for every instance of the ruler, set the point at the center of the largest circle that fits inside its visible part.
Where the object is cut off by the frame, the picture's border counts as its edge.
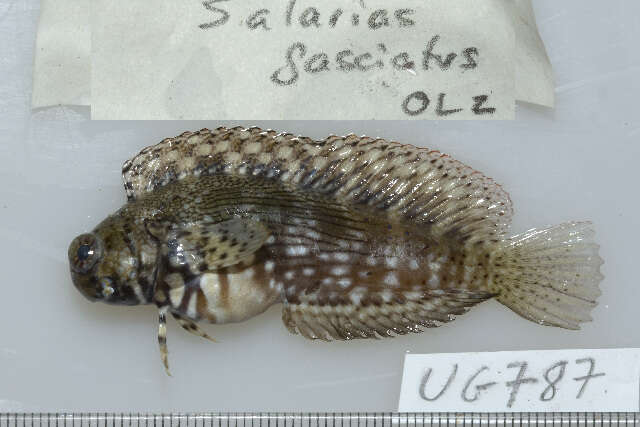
(364, 419)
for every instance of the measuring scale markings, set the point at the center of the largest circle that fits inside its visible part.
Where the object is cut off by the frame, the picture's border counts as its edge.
(576, 419)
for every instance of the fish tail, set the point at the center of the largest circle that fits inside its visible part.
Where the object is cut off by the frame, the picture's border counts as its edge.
(549, 276)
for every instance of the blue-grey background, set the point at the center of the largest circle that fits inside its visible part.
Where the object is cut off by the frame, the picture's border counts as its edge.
(60, 175)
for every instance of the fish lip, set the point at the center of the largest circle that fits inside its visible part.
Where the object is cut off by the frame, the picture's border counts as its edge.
(89, 298)
(78, 280)
(125, 303)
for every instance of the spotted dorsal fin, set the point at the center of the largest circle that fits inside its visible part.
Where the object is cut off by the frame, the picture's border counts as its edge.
(442, 196)
(207, 246)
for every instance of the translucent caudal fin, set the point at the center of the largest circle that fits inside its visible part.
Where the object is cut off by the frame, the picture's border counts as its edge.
(549, 276)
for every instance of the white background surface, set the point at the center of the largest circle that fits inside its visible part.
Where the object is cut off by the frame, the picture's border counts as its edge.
(60, 175)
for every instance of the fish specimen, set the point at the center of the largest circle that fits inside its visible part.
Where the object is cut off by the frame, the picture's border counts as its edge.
(356, 237)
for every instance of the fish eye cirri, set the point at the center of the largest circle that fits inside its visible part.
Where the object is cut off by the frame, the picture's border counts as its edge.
(356, 237)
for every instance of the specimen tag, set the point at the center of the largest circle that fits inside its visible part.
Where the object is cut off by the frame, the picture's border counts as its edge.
(62, 63)
(303, 59)
(522, 381)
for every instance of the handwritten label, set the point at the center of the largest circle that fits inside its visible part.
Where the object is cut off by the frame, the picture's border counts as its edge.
(303, 59)
(522, 381)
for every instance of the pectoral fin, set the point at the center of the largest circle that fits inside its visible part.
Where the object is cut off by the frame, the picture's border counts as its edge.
(207, 246)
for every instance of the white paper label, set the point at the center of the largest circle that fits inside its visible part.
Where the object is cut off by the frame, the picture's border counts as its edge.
(62, 56)
(522, 381)
(303, 59)
(534, 76)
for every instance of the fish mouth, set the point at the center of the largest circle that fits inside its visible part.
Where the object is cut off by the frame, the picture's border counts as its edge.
(89, 286)
(85, 285)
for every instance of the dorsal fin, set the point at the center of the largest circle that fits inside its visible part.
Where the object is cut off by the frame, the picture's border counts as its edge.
(411, 184)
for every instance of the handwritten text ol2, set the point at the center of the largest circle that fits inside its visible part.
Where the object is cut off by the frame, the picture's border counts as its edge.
(374, 54)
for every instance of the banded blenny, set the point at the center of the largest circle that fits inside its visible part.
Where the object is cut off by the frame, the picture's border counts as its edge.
(356, 237)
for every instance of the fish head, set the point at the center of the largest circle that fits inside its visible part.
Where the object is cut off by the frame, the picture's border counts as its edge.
(105, 266)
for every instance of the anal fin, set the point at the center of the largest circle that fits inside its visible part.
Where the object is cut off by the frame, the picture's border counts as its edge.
(346, 322)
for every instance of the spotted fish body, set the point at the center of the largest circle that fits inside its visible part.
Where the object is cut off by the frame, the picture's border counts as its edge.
(356, 237)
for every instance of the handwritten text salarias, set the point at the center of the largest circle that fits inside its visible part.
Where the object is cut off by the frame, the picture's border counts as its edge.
(273, 59)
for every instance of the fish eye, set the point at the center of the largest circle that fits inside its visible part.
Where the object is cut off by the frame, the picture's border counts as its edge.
(84, 252)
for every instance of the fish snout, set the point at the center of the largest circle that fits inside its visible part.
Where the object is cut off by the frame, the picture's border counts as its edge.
(87, 286)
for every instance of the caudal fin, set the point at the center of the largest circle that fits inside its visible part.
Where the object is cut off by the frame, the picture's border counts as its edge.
(550, 276)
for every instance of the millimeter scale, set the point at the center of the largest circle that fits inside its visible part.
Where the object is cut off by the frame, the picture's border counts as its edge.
(355, 419)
